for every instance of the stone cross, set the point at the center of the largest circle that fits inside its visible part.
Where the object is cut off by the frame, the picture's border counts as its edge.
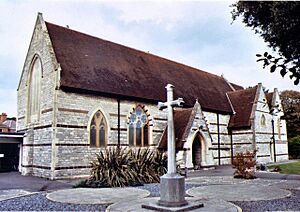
(171, 133)
(172, 186)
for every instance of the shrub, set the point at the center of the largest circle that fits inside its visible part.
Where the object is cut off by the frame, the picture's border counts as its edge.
(294, 147)
(244, 163)
(117, 167)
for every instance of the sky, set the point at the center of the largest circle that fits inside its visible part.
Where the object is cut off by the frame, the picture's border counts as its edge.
(196, 33)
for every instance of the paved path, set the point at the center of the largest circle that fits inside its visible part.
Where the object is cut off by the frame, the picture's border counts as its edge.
(239, 192)
(209, 205)
(97, 195)
(13, 193)
(207, 186)
(14, 180)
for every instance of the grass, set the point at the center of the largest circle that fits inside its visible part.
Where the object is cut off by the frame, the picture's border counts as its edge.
(289, 168)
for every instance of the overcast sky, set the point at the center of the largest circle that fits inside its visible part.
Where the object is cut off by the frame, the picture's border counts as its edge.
(196, 33)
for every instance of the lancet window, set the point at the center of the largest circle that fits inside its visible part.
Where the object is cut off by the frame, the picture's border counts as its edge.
(98, 130)
(34, 90)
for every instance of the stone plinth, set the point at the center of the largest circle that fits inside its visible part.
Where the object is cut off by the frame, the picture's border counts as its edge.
(172, 191)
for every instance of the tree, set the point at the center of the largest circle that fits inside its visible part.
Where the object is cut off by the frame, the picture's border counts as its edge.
(290, 101)
(278, 22)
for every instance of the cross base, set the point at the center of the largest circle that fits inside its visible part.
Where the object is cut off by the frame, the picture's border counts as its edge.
(172, 191)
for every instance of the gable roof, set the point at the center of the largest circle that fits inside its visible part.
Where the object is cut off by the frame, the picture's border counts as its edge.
(11, 124)
(183, 120)
(242, 102)
(96, 65)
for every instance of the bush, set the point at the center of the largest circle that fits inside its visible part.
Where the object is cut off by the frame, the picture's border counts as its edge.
(126, 167)
(244, 163)
(294, 147)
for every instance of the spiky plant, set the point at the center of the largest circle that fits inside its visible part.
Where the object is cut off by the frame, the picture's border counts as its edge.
(115, 167)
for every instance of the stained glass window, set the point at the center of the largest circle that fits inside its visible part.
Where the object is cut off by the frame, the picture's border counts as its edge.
(98, 130)
(138, 128)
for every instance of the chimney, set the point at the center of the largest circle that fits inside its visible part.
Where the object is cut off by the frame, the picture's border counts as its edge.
(3, 117)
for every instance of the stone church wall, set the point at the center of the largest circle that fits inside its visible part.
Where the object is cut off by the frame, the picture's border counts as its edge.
(74, 112)
(57, 144)
(218, 129)
(37, 144)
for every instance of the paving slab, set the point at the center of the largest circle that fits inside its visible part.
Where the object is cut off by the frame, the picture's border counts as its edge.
(230, 180)
(97, 195)
(239, 192)
(13, 193)
(209, 205)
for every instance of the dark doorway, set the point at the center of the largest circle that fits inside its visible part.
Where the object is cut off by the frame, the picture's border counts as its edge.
(9, 159)
(197, 152)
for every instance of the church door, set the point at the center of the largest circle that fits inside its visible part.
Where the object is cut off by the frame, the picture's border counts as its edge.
(197, 152)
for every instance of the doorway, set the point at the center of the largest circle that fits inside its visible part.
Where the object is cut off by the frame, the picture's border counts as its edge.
(9, 160)
(197, 152)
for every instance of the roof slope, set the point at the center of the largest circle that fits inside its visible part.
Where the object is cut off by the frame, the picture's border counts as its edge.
(242, 102)
(183, 119)
(92, 64)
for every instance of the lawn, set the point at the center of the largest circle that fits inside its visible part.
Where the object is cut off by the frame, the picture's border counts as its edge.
(289, 168)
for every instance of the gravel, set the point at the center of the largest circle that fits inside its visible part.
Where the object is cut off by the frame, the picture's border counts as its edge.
(39, 202)
(285, 204)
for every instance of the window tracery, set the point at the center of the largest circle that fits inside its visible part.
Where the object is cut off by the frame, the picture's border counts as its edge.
(138, 128)
(98, 130)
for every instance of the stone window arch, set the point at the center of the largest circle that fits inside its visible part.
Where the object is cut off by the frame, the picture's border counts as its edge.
(263, 120)
(138, 128)
(98, 130)
(34, 90)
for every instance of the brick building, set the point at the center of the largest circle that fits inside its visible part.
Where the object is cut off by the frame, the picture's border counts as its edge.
(7, 124)
(79, 94)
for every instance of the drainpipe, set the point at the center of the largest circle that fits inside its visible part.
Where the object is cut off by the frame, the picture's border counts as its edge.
(231, 145)
(273, 133)
(119, 100)
(254, 137)
(218, 130)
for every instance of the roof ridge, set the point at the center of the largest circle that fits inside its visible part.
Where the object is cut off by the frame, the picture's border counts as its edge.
(138, 50)
(246, 89)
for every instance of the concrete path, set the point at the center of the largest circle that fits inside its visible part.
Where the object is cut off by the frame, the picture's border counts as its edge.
(97, 195)
(209, 205)
(239, 192)
(13, 193)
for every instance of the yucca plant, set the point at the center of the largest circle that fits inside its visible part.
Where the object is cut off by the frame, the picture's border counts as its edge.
(116, 167)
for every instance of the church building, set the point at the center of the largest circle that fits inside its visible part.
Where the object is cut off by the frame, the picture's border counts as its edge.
(79, 94)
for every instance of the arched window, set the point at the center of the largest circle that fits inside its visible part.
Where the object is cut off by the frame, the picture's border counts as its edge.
(138, 128)
(263, 120)
(98, 130)
(34, 90)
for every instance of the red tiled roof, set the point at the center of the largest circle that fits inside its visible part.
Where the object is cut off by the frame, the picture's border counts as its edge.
(182, 123)
(92, 64)
(242, 102)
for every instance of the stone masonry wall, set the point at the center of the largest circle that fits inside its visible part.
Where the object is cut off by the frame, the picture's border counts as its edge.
(73, 153)
(225, 148)
(37, 145)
